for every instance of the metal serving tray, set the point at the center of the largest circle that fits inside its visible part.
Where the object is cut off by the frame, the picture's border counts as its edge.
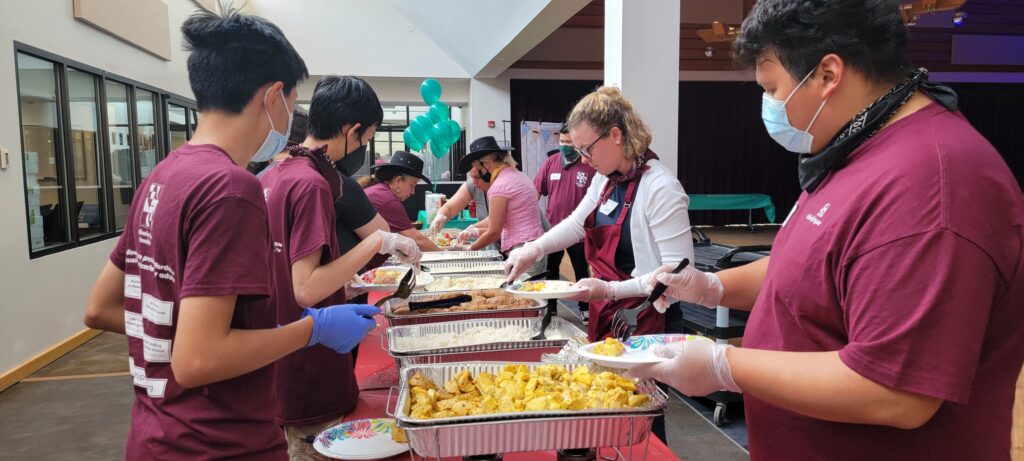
(442, 373)
(537, 308)
(513, 351)
(451, 256)
(524, 431)
(466, 267)
(495, 275)
(532, 434)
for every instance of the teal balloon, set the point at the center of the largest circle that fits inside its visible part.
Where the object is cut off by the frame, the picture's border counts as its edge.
(421, 127)
(411, 142)
(454, 131)
(430, 90)
(438, 147)
(438, 112)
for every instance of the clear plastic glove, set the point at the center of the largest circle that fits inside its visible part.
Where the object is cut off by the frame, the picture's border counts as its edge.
(459, 247)
(595, 290)
(341, 327)
(520, 259)
(696, 368)
(400, 246)
(437, 224)
(351, 291)
(469, 234)
(689, 285)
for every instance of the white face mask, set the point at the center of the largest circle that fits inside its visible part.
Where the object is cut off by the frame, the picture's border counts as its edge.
(275, 141)
(776, 121)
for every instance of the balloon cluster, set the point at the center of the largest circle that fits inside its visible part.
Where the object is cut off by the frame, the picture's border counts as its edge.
(435, 127)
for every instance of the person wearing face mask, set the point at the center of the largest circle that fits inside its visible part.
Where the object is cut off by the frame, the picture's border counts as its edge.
(297, 134)
(390, 184)
(344, 115)
(514, 216)
(189, 280)
(475, 190)
(886, 323)
(315, 387)
(564, 180)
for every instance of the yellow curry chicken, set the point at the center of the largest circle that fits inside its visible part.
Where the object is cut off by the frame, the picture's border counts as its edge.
(517, 389)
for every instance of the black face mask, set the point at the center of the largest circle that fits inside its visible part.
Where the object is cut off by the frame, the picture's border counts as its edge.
(485, 176)
(352, 162)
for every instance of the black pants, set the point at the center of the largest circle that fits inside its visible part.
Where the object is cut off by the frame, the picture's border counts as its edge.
(578, 258)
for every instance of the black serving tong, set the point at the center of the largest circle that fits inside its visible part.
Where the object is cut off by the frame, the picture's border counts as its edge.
(405, 287)
(624, 322)
(439, 303)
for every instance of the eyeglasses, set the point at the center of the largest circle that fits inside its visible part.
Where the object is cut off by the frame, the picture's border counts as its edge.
(585, 151)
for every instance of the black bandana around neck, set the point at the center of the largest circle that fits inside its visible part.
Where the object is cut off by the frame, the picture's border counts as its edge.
(815, 167)
(322, 163)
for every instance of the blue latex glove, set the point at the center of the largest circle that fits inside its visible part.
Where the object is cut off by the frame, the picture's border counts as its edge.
(341, 327)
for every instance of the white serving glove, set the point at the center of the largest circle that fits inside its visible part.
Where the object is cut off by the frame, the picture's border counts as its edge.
(696, 368)
(689, 285)
(468, 234)
(400, 246)
(520, 259)
(437, 224)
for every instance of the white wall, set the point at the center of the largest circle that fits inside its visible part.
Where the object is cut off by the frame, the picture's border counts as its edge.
(491, 100)
(42, 300)
(357, 37)
(402, 91)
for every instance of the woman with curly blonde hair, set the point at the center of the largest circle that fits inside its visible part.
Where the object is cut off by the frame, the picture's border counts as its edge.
(632, 220)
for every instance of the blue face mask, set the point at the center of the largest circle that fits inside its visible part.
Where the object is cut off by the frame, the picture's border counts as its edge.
(276, 141)
(776, 120)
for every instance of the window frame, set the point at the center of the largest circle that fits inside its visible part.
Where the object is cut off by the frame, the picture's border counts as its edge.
(65, 168)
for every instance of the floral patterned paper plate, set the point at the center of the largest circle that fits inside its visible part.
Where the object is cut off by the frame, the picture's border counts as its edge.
(639, 350)
(360, 439)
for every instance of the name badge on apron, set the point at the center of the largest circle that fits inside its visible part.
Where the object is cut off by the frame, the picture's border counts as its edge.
(608, 207)
(556, 176)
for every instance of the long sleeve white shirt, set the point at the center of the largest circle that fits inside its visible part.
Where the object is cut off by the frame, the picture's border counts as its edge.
(659, 225)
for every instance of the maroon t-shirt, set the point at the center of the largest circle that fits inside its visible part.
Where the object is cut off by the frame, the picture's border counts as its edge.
(314, 384)
(564, 187)
(389, 207)
(391, 210)
(908, 261)
(197, 227)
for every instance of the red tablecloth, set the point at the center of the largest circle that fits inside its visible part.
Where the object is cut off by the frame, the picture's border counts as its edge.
(376, 373)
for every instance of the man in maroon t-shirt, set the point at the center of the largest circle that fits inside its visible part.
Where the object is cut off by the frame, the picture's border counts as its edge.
(886, 324)
(316, 387)
(189, 279)
(564, 180)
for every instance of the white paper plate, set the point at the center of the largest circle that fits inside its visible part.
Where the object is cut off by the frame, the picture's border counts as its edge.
(422, 279)
(360, 439)
(639, 350)
(555, 289)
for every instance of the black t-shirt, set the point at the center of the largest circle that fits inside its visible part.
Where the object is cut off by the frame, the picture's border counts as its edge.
(352, 211)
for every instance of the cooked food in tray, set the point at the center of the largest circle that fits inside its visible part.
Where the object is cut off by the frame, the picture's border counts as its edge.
(517, 389)
(464, 283)
(471, 336)
(610, 347)
(481, 300)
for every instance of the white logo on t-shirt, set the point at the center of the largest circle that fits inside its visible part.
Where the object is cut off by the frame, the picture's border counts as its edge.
(816, 220)
(581, 179)
(149, 205)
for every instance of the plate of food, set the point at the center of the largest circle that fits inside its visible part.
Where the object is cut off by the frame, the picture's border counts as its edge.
(635, 351)
(374, 438)
(386, 278)
(544, 289)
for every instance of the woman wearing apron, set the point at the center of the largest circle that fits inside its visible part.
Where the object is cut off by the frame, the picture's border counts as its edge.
(632, 220)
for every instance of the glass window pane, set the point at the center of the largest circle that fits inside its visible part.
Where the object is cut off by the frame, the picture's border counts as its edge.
(41, 151)
(193, 121)
(85, 142)
(119, 129)
(176, 125)
(146, 137)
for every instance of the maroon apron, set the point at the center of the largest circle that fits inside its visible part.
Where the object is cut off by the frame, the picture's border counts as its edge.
(599, 244)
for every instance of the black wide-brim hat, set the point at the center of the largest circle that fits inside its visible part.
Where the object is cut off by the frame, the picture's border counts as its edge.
(479, 148)
(405, 163)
